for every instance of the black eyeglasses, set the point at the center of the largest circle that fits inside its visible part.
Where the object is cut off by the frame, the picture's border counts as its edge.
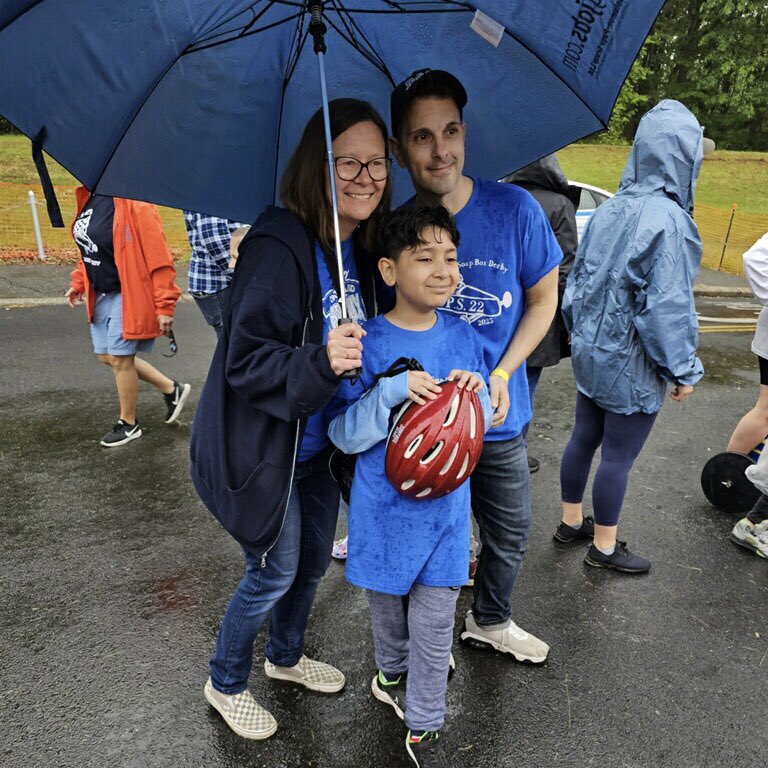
(348, 168)
(173, 347)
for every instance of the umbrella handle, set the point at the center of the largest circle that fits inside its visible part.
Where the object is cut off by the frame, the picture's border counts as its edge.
(354, 374)
(318, 29)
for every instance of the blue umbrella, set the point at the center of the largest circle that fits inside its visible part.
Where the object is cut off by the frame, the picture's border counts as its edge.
(197, 104)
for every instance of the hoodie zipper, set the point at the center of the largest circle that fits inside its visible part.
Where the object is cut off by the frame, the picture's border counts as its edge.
(293, 463)
(298, 430)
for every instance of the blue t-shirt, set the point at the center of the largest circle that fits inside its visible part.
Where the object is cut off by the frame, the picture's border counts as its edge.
(395, 541)
(507, 246)
(315, 436)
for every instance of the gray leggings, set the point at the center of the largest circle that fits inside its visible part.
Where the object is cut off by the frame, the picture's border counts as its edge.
(415, 635)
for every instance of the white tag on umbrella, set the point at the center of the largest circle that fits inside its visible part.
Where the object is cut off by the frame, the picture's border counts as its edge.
(490, 30)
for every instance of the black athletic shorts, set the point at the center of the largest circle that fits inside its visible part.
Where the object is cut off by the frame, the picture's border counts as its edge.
(763, 370)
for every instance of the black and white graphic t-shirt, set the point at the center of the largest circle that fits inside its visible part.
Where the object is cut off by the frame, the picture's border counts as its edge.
(93, 235)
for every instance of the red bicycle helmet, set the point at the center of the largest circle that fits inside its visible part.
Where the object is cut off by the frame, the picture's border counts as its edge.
(433, 448)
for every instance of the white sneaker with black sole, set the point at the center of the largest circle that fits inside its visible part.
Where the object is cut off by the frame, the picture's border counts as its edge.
(175, 401)
(390, 691)
(121, 434)
(521, 645)
(747, 534)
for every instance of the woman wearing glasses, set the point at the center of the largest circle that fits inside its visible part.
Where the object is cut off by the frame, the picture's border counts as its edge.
(126, 275)
(259, 441)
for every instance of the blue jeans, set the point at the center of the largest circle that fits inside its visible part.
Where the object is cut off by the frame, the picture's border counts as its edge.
(533, 375)
(213, 306)
(501, 504)
(285, 587)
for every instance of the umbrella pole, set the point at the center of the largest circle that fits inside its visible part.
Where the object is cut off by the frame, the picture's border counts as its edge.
(318, 29)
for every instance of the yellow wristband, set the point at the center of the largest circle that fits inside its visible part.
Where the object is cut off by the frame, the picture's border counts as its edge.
(500, 372)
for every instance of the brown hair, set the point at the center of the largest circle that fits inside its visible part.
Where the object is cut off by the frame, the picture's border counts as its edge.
(302, 188)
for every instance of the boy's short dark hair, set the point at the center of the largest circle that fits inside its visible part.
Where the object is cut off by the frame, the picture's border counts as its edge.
(424, 83)
(402, 229)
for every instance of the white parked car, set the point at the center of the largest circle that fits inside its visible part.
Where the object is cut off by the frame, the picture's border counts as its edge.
(591, 199)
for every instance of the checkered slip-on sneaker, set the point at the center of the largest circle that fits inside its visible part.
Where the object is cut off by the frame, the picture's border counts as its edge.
(312, 674)
(242, 713)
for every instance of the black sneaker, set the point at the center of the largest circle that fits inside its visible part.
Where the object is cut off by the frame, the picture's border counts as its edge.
(175, 401)
(426, 749)
(533, 465)
(567, 535)
(391, 691)
(121, 434)
(620, 560)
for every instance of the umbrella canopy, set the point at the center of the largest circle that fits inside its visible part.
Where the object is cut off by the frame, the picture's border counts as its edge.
(197, 105)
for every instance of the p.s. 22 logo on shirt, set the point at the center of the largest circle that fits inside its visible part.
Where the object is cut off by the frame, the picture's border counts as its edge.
(475, 305)
(355, 305)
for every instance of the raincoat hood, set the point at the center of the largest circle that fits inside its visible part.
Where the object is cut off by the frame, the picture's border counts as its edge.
(666, 155)
(545, 174)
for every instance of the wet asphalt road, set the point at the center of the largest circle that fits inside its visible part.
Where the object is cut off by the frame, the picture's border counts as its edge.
(113, 579)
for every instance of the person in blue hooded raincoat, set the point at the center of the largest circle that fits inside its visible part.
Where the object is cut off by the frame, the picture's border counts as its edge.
(629, 307)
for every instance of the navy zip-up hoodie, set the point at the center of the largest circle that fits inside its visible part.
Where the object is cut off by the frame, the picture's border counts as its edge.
(270, 371)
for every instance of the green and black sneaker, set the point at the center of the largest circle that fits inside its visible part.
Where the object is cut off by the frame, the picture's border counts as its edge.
(426, 749)
(390, 690)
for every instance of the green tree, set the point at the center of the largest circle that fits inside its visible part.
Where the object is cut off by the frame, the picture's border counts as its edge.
(712, 56)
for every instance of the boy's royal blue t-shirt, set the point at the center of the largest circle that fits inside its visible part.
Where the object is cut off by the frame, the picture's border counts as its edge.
(315, 437)
(395, 541)
(507, 246)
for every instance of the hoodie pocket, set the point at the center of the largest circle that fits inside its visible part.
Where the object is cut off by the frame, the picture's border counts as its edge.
(254, 511)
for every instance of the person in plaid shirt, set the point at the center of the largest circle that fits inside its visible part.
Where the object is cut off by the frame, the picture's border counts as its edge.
(209, 272)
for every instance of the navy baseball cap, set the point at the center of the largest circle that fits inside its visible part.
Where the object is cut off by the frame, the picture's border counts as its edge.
(424, 82)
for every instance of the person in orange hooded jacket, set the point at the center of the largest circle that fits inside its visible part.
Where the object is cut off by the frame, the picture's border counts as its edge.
(127, 277)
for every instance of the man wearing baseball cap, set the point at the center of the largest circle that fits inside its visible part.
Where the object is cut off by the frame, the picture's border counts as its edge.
(508, 259)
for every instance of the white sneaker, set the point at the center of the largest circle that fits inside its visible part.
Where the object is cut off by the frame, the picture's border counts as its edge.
(315, 675)
(339, 551)
(746, 534)
(511, 639)
(762, 544)
(242, 713)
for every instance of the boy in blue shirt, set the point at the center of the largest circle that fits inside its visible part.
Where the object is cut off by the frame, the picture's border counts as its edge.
(401, 547)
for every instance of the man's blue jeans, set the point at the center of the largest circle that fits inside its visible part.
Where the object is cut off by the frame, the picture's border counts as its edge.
(285, 587)
(501, 504)
(213, 306)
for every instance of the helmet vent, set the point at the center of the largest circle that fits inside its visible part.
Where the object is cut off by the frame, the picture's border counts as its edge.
(444, 470)
(413, 447)
(423, 493)
(464, 466)
(433, 452)
(472, 423)
(407, 484)
(454, 409)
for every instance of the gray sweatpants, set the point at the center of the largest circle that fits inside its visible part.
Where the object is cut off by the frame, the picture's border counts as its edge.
(414, 634)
